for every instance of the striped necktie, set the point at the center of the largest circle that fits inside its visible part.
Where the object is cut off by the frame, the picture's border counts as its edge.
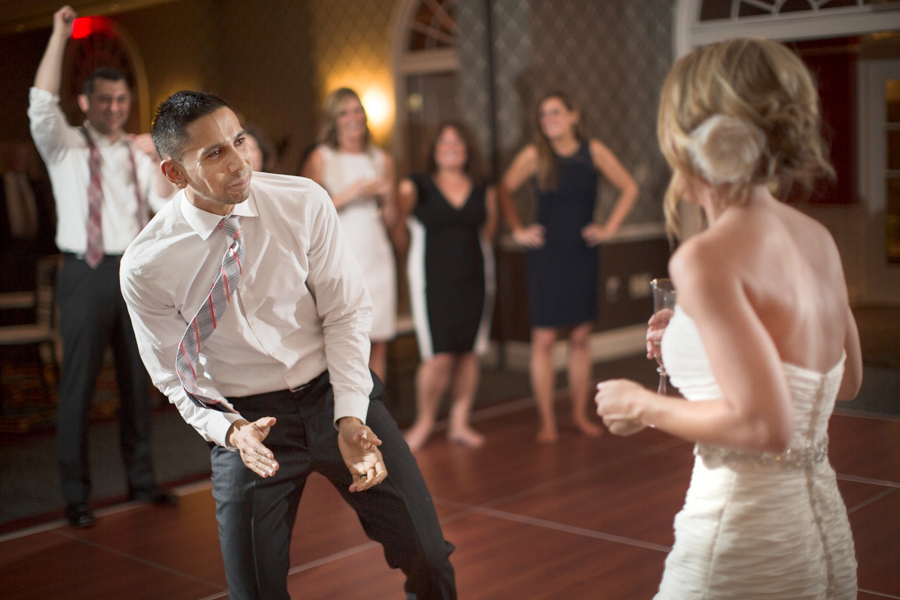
(207, 317)
(94, 252)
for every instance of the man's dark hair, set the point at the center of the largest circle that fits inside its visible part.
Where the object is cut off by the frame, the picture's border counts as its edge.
(173, 116)
(104, 73)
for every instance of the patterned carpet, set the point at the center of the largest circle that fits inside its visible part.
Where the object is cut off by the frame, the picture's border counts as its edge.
(28, 390)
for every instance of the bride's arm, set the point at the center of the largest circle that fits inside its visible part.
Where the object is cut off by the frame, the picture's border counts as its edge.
(853, 368)
(755, 412)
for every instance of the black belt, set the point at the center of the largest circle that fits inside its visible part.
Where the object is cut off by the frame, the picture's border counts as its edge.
(299, 391)
(80, 255)
(296, 393)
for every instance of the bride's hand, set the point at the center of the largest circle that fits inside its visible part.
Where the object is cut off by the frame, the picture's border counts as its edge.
(623, 427)
(655, 329)
(616, 405)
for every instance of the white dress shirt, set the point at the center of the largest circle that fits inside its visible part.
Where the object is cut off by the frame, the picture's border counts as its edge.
(66, 154)
(301, 307)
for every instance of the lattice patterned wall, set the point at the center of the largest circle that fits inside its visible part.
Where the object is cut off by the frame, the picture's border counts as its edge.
(611, 56)
(473, 92)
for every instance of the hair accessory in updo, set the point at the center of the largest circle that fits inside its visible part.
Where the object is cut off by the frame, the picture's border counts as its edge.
(727, 150)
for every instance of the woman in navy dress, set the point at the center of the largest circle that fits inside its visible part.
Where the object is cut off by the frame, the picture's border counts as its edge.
(562, 255)
(452, 218)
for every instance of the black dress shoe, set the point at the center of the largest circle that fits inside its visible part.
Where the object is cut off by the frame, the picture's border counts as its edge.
(156, 496)
(79, 515)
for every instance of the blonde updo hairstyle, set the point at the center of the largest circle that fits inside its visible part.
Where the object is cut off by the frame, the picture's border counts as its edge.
(736, 114)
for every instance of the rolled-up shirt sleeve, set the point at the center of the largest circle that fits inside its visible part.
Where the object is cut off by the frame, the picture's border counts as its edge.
(158, 328)
(49, 128)
(343, 303)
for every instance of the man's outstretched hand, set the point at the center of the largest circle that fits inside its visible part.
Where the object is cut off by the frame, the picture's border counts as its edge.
(247, 438)
(359, 447)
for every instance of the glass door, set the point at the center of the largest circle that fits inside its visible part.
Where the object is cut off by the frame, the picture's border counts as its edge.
(880, 166)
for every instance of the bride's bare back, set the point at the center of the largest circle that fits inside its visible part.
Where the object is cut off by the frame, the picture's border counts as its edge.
(790, 271)
(765, 285)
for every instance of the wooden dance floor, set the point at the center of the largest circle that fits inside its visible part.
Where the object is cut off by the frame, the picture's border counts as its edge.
(585, 519)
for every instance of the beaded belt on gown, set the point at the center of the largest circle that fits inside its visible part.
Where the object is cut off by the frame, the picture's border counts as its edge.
(792, 458)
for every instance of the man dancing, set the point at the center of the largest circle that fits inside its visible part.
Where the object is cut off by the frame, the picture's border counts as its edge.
(252, 316)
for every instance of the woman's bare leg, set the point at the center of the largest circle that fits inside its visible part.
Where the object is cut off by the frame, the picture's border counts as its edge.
(542, 377)
(465, 383)
(432, 379)
(580, 379)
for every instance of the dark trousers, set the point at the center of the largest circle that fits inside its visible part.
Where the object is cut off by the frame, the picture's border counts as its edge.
(93, 316)
(256, 515)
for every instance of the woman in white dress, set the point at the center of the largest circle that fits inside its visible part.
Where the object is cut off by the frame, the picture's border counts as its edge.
(762, 340)
(359, 177)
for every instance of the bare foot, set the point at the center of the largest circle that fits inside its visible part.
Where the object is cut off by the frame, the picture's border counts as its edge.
(417, 435)
(547, 436)
(588, 428)
(466, 436)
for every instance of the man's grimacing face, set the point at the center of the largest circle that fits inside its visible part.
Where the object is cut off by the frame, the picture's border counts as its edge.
(215, 164)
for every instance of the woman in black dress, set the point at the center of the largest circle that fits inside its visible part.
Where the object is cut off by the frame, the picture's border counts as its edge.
(562, 254)
(452, 218)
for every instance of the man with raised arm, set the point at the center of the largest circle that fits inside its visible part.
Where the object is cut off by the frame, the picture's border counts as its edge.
(105, 183)
(252, 316)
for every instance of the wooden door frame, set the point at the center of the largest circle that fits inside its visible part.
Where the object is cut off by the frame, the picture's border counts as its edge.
(406, 63)
(690, 32)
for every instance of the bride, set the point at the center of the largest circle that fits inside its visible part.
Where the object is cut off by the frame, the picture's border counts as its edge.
(762, 341)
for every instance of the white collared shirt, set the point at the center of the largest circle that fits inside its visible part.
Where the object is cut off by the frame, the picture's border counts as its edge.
(66, 154)
(301, 306)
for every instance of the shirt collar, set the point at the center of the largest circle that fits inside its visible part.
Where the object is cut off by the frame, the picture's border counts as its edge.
(204, 223)
(102, 140)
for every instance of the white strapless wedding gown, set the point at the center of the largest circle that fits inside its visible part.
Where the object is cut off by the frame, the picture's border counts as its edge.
(759, 525)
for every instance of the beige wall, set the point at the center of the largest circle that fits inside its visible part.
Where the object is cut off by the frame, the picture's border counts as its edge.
(256, 55)
(274, 60)
(352, 48)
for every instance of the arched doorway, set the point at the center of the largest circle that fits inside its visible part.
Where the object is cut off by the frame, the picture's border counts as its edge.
(100, 42)
(867, 226)
(426, 63)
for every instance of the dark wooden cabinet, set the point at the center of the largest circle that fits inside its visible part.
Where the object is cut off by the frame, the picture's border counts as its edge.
(627, 265)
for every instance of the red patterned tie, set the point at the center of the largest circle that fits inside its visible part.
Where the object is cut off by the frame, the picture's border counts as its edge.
(93, 254)
(207, 317)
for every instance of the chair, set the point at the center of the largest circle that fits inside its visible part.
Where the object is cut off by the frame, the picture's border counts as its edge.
(43, 333)
(16, 300)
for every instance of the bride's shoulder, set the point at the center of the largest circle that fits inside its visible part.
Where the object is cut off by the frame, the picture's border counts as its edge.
(708, 248)
(707, 261)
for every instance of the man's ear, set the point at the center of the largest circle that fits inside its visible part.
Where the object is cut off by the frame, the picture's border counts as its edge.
(83, 103)
(174, 172)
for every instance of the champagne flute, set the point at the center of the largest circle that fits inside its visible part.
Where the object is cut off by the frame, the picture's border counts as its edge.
(663, 299)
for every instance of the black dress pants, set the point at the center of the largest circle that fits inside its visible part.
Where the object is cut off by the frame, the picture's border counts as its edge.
(256, 515)
(93, 316)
